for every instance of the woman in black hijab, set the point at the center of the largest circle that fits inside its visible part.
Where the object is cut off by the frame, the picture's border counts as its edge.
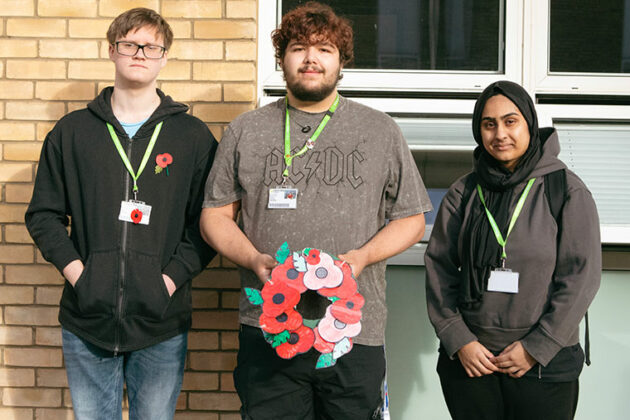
(513, 262)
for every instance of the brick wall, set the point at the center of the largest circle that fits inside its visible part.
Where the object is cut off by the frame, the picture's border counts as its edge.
(53, 59)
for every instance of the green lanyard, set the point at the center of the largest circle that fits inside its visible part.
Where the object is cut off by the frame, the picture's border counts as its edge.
(310, 143)
(125, 159)
(517, 211)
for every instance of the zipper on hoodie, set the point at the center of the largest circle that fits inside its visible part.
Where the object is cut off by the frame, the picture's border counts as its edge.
(123, 259)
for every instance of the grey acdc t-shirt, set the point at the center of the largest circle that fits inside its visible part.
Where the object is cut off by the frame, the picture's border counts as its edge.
(359, 174)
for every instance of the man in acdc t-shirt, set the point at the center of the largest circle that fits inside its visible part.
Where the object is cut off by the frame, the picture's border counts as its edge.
(348, 169)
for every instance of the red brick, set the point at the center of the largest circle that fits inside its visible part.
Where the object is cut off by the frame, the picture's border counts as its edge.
(53, 414)
(215, 320)
(33, 274)
(16, 294)
(203, 340)
(213, 361)
(32, 357)
(48, 336)
(52, 378)
(191, 415)
(16, 335)
(31, 315)
(218, 279)
(17, 377)
(227, 382)
(199, 381)
(229, 340)
(12, 213)
(18, 193)
(219, 401)
(16, 413)
(17, 234)
(205, 299)
(48, 295)
(11, 254)
(229, 299)
(31, 397)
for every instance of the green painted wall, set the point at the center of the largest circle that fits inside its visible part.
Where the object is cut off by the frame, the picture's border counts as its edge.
(414, 387)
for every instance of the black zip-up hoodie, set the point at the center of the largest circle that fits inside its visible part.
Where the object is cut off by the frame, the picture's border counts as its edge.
(120, 302)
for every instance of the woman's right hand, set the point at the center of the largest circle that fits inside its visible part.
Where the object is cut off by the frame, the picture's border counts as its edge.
(476, 359)
(73, 271)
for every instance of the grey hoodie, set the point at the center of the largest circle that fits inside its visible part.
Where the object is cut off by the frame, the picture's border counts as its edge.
(558, 275)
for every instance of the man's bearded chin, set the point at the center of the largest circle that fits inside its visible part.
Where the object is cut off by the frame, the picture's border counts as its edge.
(306, 94)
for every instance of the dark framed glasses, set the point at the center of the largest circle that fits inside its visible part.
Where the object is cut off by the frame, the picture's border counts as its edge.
(131, 48)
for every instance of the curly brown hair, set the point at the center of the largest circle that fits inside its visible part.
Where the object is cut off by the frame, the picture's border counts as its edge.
(135, 19)
(314, 22)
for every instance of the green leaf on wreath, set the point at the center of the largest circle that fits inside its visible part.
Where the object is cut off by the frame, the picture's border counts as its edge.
(281, 338)
(268, 337)
(254, 296)
(282, 253)
(158, 169)
(333, 299)
(299, 262)
(325, 360)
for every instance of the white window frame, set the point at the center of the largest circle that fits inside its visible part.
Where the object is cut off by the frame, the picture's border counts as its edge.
(269, 78)
(614, 234)
(537, 77)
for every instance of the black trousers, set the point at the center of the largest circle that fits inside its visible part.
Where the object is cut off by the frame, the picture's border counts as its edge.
(500, 397)
(277, 389)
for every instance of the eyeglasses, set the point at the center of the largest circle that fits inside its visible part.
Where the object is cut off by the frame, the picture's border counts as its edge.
(131, 48)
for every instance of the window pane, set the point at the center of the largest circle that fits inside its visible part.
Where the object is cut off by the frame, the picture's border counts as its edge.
(423, 34)
(599, 154)
(590, 36)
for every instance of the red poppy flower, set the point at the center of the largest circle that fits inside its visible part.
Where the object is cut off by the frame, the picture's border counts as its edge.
(313, 256)
(347, 288)
(164, 160)
(322, 345)
(136, 216)
(348, 310)
(286, 321)
(287, 273)
(278, 297)
(300, 341)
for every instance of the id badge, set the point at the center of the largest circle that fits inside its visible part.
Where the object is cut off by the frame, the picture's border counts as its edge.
(282, 198)
(503, 280)
(136, 212)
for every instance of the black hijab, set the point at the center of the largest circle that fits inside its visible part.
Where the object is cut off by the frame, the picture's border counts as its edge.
(481, 252)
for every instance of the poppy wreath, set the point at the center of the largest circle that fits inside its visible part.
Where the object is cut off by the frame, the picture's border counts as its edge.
(283, 326)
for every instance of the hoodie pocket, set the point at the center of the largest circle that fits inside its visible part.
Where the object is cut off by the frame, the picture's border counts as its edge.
(146, 292)
(96, 287)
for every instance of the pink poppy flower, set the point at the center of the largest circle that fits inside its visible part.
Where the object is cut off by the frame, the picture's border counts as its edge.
(333, 330)
(347, 288)
(323, 274)
(322, 345)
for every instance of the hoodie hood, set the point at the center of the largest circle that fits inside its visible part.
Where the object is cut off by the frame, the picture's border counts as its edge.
(101, 106)
(548, 161)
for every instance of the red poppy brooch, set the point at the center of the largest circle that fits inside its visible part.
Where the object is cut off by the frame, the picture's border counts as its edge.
(283, 326)
(163, 161)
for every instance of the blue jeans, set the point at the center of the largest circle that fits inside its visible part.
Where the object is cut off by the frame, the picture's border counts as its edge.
(153, 376)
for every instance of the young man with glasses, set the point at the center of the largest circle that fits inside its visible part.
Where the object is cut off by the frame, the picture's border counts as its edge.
(129, 172)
